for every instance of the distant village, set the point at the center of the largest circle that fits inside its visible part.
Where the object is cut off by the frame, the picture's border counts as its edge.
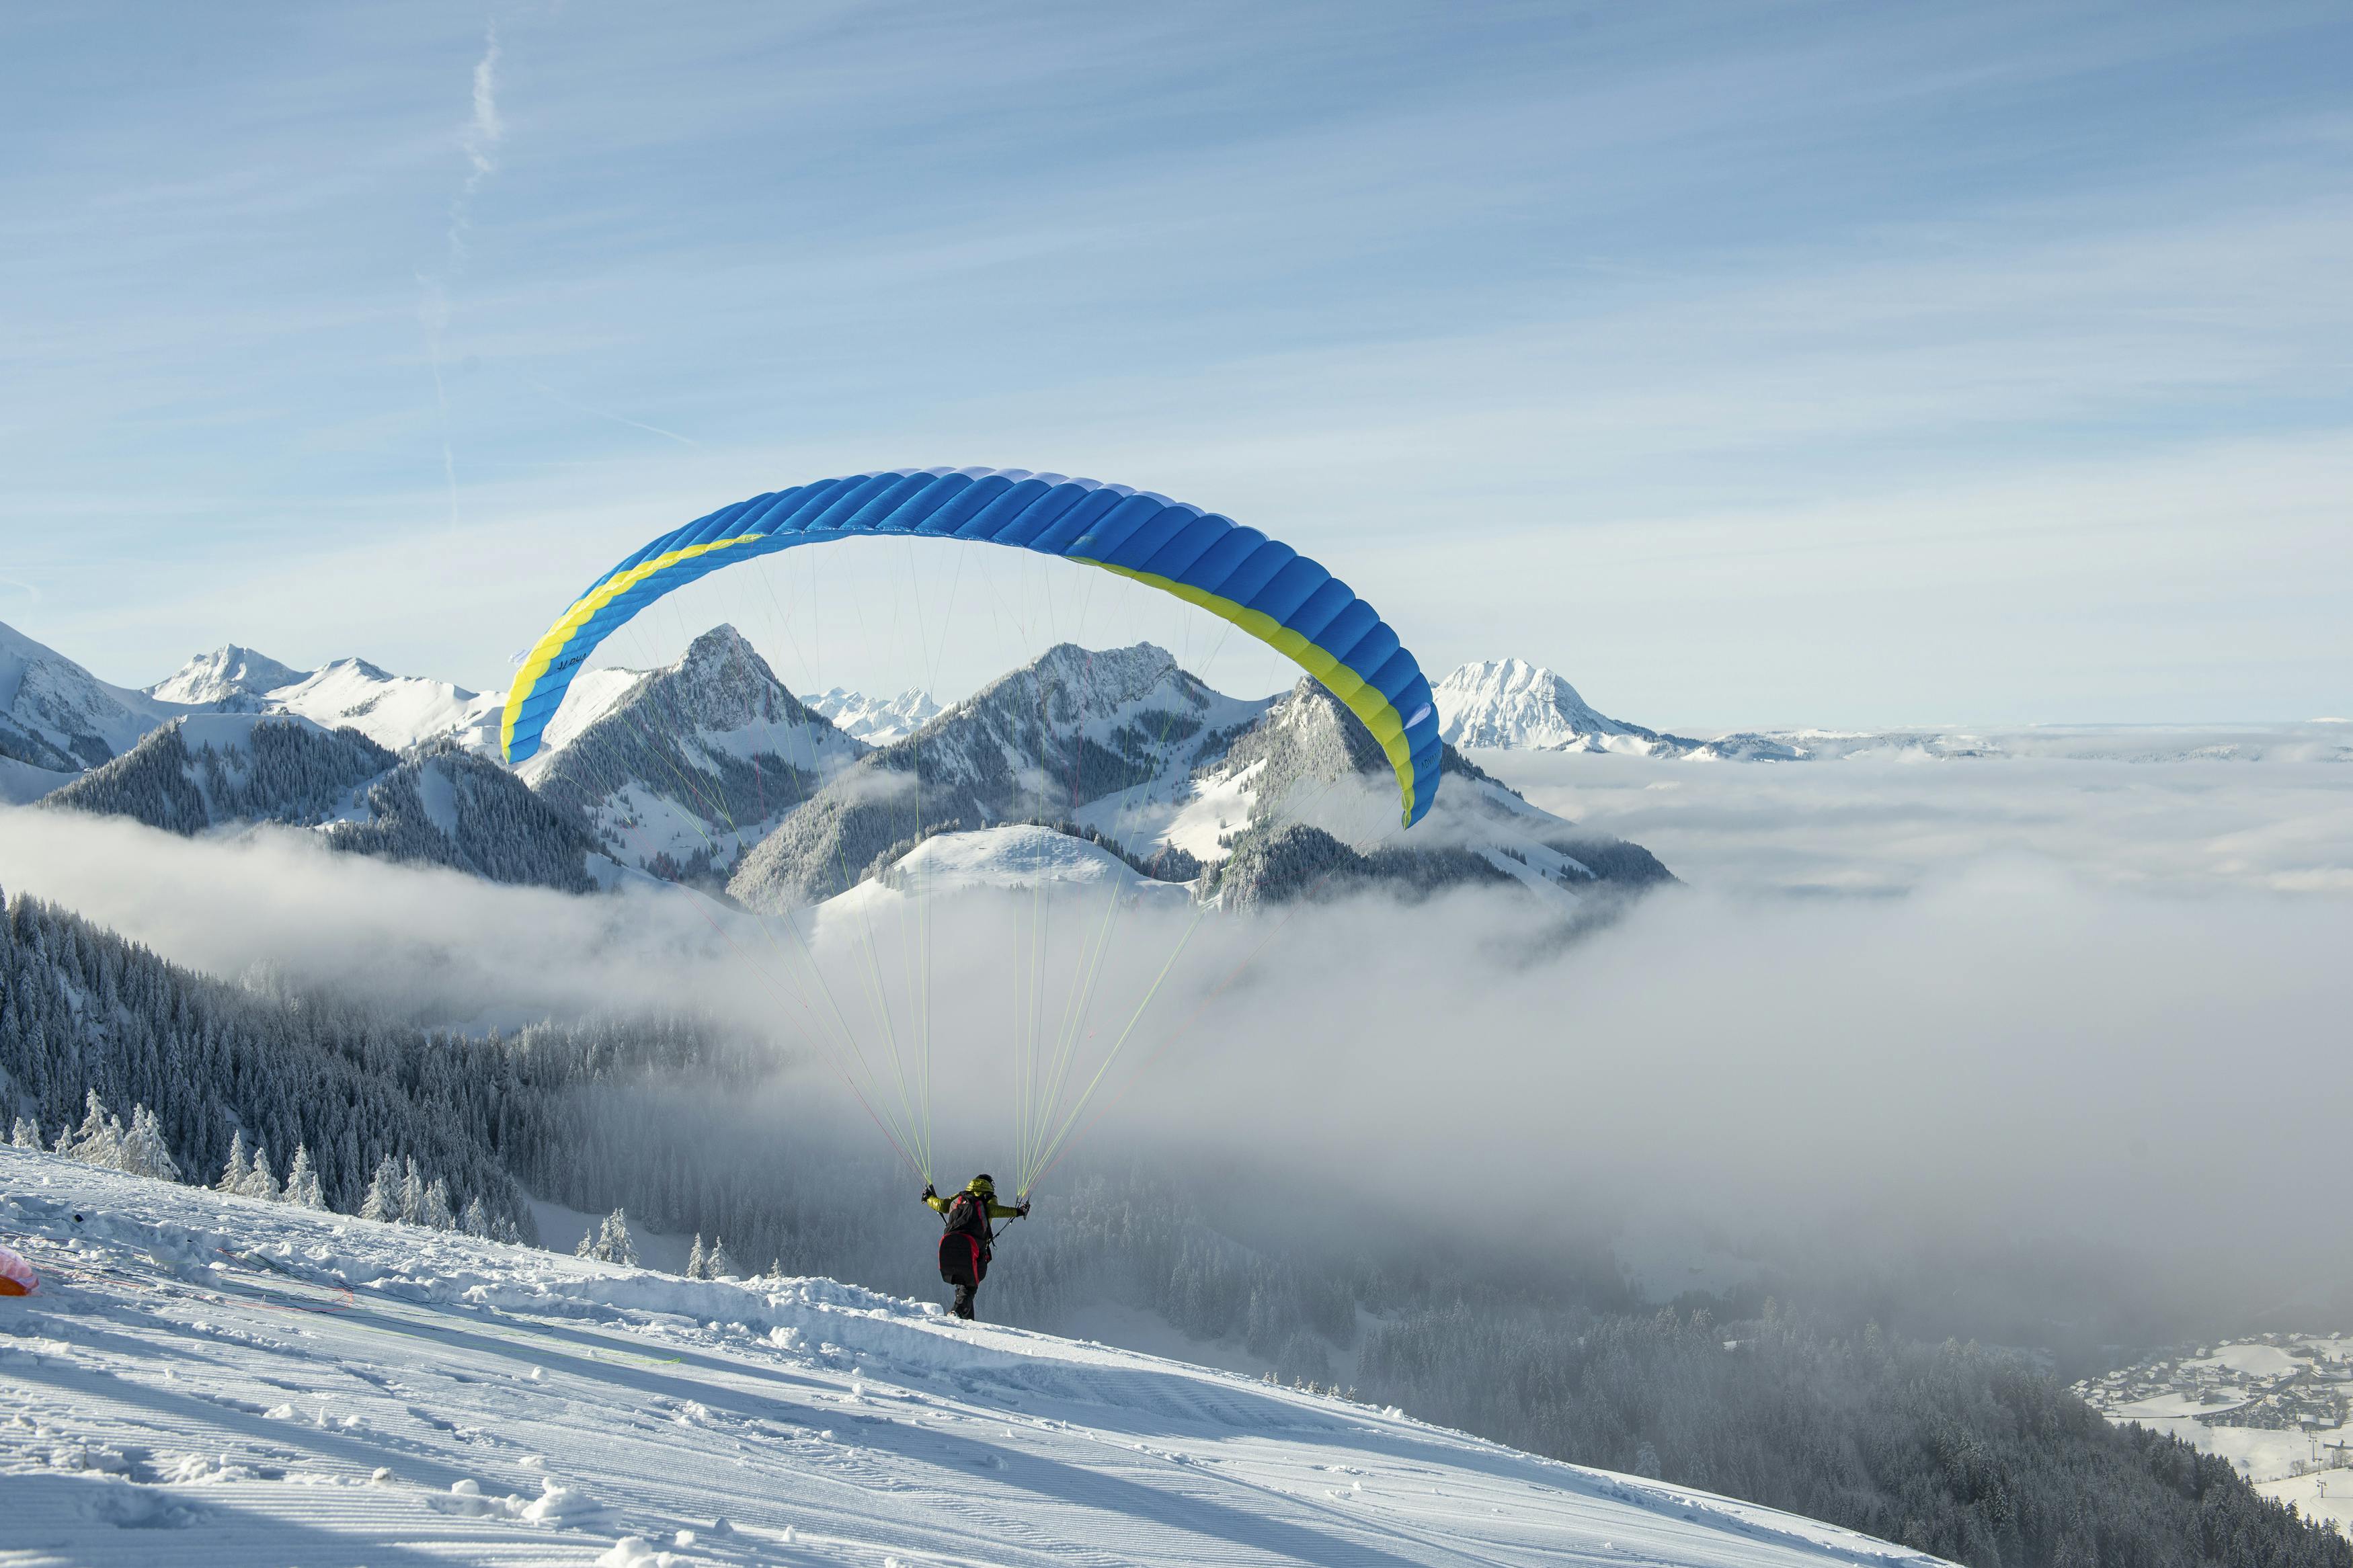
(2271, 1382)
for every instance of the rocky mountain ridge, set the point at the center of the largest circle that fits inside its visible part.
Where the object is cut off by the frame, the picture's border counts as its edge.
(689, 765)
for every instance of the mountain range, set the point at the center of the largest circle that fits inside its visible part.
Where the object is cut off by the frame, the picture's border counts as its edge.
(711, 771)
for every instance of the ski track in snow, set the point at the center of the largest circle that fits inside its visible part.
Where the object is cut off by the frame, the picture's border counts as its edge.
(211, 1380)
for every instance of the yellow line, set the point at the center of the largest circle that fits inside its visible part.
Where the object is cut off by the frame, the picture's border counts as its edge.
(552, 643)
(1379, 714)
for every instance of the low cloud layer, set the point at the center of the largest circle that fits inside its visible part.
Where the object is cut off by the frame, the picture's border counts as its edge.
(2123, 809)
(2079, 1028)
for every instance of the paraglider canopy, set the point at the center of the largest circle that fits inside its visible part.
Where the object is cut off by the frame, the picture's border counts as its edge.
(1260, 584)
(17, 1276)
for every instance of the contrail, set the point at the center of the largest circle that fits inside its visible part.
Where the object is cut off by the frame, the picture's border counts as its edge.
(479, 142)
(543, 387)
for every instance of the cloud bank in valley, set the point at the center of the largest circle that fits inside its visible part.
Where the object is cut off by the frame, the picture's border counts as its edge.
(2081, 1020)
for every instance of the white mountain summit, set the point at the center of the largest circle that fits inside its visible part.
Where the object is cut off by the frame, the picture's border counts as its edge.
(1509, 704)
(222, 676)
(393, 711)
(877, 720)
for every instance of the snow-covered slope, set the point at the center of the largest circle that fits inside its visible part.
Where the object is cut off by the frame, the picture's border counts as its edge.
(1018, 855)
(225, 676)
(57, 719)
(877, 720)
(206, 1380)
(682, 768)
(393, 710)
(1070, 730)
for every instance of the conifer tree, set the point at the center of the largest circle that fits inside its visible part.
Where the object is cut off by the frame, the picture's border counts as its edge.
(719, 1265)
(260, 1181)
(24, 1134)
(433, 1212)
(233, 1174)
(694, 1264)
(475, 1222)
(302, 1181)
(143, 1152)
(99, 1139)
(412, 1194)
(614, 1244)
(383, 1200)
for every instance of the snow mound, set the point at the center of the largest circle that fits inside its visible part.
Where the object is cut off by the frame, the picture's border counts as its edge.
(272, 1384)
(1016, 857)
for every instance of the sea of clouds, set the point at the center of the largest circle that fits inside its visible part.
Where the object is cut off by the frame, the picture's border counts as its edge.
(1913, 1021)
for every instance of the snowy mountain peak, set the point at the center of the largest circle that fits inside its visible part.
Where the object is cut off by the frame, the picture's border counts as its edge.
(226, 674)
(395, 710)
(1510, 703)
(877, 720)
(677, 770)
(57, 719)
(723, 683)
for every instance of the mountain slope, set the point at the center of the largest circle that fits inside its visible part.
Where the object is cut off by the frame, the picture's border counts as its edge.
(684, 767)
(443, 806)
(439, 805)
(57, 719)
(1305, 804)
(1063, 733)
(212, 770)
(270, 1385)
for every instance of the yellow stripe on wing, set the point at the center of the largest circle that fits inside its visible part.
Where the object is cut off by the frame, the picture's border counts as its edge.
(1365, 701)
(551, 644)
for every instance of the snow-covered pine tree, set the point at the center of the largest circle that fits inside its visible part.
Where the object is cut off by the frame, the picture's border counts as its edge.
(433, 1212)
(96, 1142)
(412, 1194)
(588, 1248)
(475, 1222)
(24, 1134)
(260, 1181)
(719, 1265)
(383, 1200)
(694, 1266)
(144, 1153)
(302, 1181)
(233, 1174)
(614, 1242)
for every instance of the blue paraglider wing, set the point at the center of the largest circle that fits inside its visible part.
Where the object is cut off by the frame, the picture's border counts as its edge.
(1260, 584)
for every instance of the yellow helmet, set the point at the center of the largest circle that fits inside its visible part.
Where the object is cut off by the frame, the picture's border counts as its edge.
(981, 1187)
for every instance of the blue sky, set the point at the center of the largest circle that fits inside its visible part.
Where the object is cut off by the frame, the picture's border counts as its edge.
(1748, 364)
